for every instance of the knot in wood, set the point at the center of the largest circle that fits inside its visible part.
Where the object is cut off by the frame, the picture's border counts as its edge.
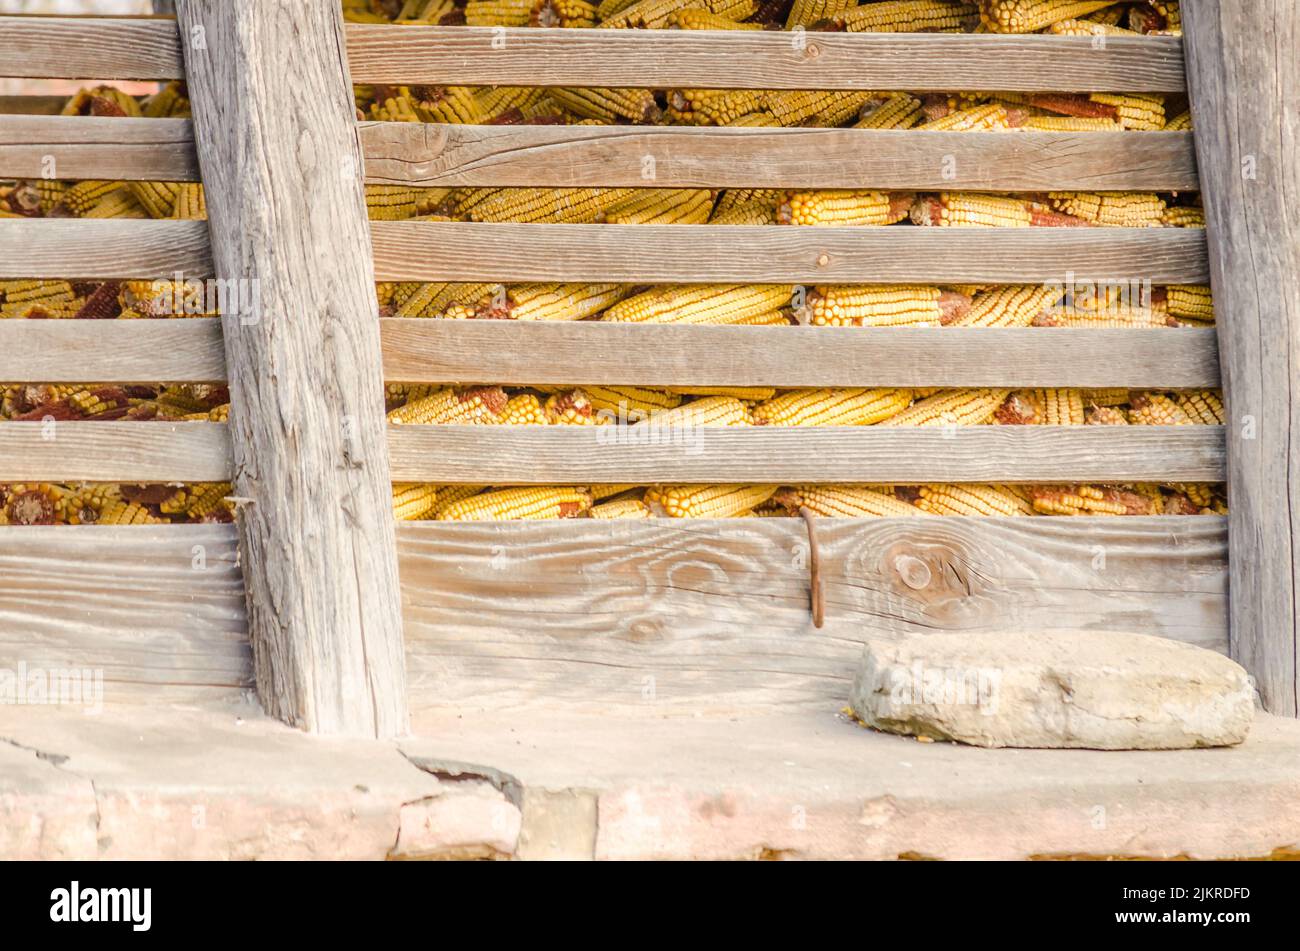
(823, 259)
(914, 572)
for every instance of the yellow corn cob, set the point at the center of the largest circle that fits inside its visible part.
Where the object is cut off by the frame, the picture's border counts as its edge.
(1026, 16)
(700, 303)
(1111, 209)
(599, 492)
(985, 118)
(483, 404)
(890, 305)
(203, 502)
(754, 120)
(498, 12)
(572, 408)
(831, 407)
(1201, 495)
(1088, 28)
(413, 501)
(693, 18)
(910, 16)
(708, 411)
(1015, 305)
(1106, 416)
(967, 210)
(754, 213)
(424, 11)
(391, 202)
(1134, 110)
(1180, 123)
(524, 410)
(449, 495)
(1190, 300)
(793, 107)
(494, 100)
(190, 203)
(709, 501)
(1183, 216)
(1071, 124)
(716, 106)
(119, 512)
(608, 104)
(169, 102)
(690, 206)
(1072, 500)
(1202, 406)
(808, 12)
(844, 208)
(750, 394)
(1119, 315)
(578, 206)
(947, 499)
(847, 501)
(648, 14)
(157, 198)
(525, 502)
(117, 204)
(563, 13)
(550, 301)
(630, 401)
(430, 300)
(83, 196)
(1062, 407)
(895, 111)
(36, 292)
(621, 508)
(951, 408)
(1153, 409)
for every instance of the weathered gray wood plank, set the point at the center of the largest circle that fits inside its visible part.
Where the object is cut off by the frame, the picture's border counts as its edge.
(572, 156)
(111, 351)
(760, 60)
(685, 254)
(156, 611)
(275, 125)
(89, 48)
(1245, 86)
(526, 352)
(579, 455)
(71, 248)
(101, 148)
(677, 616)
(89, 451)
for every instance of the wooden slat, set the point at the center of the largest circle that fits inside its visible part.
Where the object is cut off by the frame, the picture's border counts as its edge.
(100, 148)
(528, 455)
(111, 351)
(684, 254)
(157, 611)
(456, 155)
(69, 248)
(524, 352)
(89, 48)
(89, 451)
(712, 616)
(760, 60)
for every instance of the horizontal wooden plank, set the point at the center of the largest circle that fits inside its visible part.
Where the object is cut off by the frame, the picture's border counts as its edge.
(70, 147)
(761, 60)
(526, 352)
(644, 454)
(77, 248)
(156, 611)
(47, 47)
(89, 451)
(667, 615)
(111, 351)
(678, 157)
(685, 254)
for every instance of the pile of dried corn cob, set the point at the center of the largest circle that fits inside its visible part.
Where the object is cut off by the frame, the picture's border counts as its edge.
(45, 503)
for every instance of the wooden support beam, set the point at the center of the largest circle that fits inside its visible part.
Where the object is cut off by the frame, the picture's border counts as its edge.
(1244, 79)
(274, 122)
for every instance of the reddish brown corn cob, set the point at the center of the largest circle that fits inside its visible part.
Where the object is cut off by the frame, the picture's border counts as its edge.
(1131, 111)
(951, 408)
(709, 501)
(831, 407)
(528, 502)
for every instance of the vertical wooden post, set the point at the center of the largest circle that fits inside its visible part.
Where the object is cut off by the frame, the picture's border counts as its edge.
(1244, 81)
(274, 123)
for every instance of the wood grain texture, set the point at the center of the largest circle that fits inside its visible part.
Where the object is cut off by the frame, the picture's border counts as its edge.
(89, 48)
(572, 156)
(275, 124)
(760, 60)
(685, 254)
(111, 351)
(158, 610)
(99, 148)
(89, 451)
(527, 352)
(679, 616)
(1248, 144)
(580, 455)
(72, 248)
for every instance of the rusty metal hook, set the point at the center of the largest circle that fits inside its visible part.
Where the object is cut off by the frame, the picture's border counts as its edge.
(817, 593)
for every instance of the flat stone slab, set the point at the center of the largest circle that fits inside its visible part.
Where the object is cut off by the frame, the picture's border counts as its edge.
(1100, 690)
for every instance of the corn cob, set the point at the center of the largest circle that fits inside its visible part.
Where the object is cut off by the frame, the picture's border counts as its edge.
(413, 501)
(524, 410)
(693, 18)
(550, 301)
(527, 502)
(837, 208)
(608, 104)
(1071, 124)
(157, 198)
(1080, 27)
(1073, 500)
(168, 102)
(754, 213)
(629, 401)
(895, 111)
(1202, 406)
(831, 407)
(1026, 16)
(571, 408)
(967, 210)
(648, 14)
(792, 107)
(984, 118)
(1111, 209)
(498, 12)
(1062, 407)
(951, 408)
(709, 411)
(1015, 305)
(431, 300)
(449, 495)
(808, 12)
(606, 9)
(885, 306)
(1180, 123)
(82, 197)
(1153, 409)
(562, 13)
(754, 120)
(750, 394)
(621, 508)
(1190, 300)
(911, 16)
(191, 203)
(1183, 216)
(599, 492)
(848, 501)
(716, 107)
(690, 206)
(483, 404)
(946, 499)
(700, 303)
(550, 205)
(1106, 416)
(709, 501)
(391, 202)
(102, 101)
